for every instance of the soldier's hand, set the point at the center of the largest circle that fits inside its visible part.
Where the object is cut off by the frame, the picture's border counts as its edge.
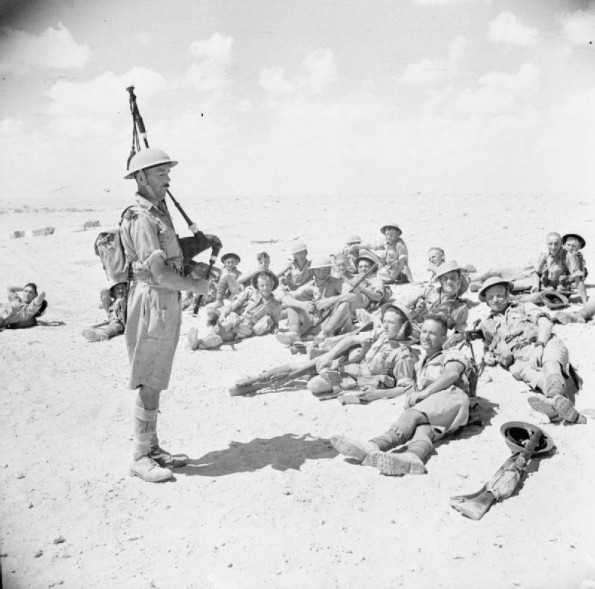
(489, 358)
(370, 394)
(214, 241)
(309, 306)
(537, 357)
(323, 362)
(410, 400)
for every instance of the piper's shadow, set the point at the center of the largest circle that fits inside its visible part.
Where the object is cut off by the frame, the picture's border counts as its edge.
(285, 452)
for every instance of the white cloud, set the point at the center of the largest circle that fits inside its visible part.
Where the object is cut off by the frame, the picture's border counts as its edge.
(429, 72)
(507, 29)
(320, 71)
(498, 92)
(53, 49)
(579, 27)
(213, 59)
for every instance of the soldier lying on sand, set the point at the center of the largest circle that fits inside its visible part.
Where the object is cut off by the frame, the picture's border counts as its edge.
(23, 309)
(437, 405)
(518, 337)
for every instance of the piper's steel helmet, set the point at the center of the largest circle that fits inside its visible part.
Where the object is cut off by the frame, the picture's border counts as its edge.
(148, 158)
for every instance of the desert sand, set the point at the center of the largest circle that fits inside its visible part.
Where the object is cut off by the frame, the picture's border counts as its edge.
(266, 502)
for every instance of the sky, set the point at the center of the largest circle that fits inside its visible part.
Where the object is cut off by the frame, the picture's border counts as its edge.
(300, 97)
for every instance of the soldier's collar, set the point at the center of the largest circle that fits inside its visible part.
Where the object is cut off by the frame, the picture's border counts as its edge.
(144, 203)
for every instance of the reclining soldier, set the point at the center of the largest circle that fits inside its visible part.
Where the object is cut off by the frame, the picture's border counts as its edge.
(518, 337)
(255, 311)
(378, 360)
(308, 305)
(23, 309)
(437, 405)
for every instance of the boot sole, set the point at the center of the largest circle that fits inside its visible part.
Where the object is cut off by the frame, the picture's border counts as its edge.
(349, 447)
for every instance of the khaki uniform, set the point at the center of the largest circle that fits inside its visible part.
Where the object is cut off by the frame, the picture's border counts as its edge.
(555, 271)
(382, 357)
(395, 257)
(430, 300)
(446, 410)
(513, 333)
(154, 312)
(295, 277)
(18, 312)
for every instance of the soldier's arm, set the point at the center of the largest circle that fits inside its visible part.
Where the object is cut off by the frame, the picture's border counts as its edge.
(167, 278)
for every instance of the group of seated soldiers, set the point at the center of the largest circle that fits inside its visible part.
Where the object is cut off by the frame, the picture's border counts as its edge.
(373, 339)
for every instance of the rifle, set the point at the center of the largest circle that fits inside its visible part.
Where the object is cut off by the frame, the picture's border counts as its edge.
(506, 479)
(199, 242)
(274, 378)
(327, 313)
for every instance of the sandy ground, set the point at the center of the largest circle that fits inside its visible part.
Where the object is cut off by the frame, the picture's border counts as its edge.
(266, 501)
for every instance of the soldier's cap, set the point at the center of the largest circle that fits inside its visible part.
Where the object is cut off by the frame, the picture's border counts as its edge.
(581, 240)
(388, 226)
(148, 158)
(367, 255)
(452, 266)
(492, 281)
(353, 239)
(271, 275)
(394, 307)
(517, 434)
(553, 299)
(231, 255)
(320, 262)
(298, 247)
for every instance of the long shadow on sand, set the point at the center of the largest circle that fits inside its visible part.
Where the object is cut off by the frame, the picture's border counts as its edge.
(285, 452)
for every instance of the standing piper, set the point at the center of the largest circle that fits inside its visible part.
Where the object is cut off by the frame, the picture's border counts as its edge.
(154, 309)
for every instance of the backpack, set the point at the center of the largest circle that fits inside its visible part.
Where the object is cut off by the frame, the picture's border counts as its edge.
(108, 246)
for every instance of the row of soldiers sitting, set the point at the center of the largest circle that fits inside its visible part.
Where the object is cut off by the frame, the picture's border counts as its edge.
(548, 281)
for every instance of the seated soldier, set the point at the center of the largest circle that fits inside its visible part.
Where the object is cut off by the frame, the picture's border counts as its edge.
(23, 309)
(297, 273)
(255, 311)
(375, 353)
(264, 264)
(370, 292)
(573, 243)
(435, 259)
(341, 267)
(394, 256)
(227, 286)
(518, 337)
(443, 296)
(438, 404)
(116, 314)
(351, 250)
(319, 307)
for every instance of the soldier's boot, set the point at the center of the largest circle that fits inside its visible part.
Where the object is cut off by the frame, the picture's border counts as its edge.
(353, 448)
(163, 457)
(565, 317)
(395, 463)
(143, 466)
(94, 335)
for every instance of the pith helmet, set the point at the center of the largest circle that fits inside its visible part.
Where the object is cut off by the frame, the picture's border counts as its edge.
(298, 247)
(353, 239)
(231, 255)
(492, 282)
(517, 434)
(389, 225)
(321, 262)
(148, 158)
(367, 255)
(581, 240)
(451, 267)
(274, 279)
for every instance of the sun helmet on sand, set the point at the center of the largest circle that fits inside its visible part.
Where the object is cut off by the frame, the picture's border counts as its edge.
(148, 158)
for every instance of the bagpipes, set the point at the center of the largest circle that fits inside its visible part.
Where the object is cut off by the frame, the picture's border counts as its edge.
(198, 242)
(525, 440)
